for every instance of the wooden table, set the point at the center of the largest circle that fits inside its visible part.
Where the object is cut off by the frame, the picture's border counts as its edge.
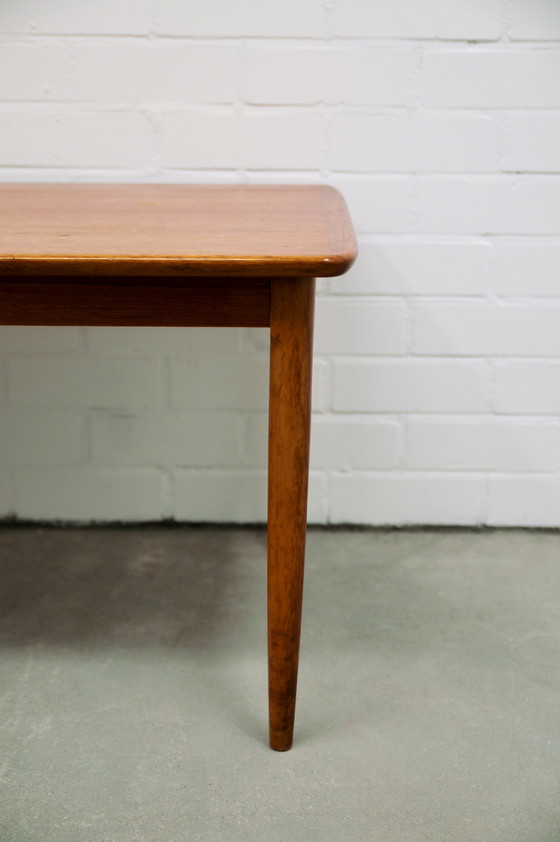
(184, 255)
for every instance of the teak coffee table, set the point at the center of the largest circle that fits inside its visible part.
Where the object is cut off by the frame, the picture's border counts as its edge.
(185, 255)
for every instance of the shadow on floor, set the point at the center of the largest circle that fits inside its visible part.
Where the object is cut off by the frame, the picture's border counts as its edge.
(167, 587)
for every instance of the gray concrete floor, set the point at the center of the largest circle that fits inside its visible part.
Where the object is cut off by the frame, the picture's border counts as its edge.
(133, 688)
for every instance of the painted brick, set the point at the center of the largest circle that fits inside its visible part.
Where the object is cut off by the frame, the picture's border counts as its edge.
(377, 205)
(359, 328)
(86, 495)
(486, 329)
(89, 139)
(50, 437)
(220, 382)
(523, 501)
(277, 176)
(321, 385)
(485, 445)
(528, 387)
(256, 338)
(527, 268)
(415, 143)
(255, 440)
(161, 72)
(408, 19)
(29, 139)
(375, 75)
(197, 439)
(235, 496)
(36, 338)
(533, 143)
(163, 340)
(106, 139)
(411, 386)
(318, 498)
(84, 382)
(488, 205)
(535, 19)
(111, 17)
(490, 78)
(339, 443)
(460, 205)
(221, 496)
(6, 495)
(222, 19)
(399, 267)
(348, 444)
(280, 140)
(33, 71)
(382, 499)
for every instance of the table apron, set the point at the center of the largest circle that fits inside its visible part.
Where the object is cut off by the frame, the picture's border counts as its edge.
(240, 302)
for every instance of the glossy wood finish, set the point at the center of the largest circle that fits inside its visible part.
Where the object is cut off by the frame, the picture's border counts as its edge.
(289, 419)
(197, 255)
(229, 302)
(169, 229)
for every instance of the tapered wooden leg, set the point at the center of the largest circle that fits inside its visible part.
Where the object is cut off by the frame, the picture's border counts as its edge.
(291, 347)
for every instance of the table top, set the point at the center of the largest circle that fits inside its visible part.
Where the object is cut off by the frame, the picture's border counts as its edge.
(174, 229)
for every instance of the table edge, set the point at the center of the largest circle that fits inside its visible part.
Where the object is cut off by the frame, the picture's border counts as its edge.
(93, 266)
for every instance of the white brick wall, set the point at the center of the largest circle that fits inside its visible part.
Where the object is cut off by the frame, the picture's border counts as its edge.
(437, 369)
(357, 75)
(226, 139)
(244, 18)
(105, 17)
(415, 143)
(83, 381)
(535, 20)
(496, 78)
(432, 19)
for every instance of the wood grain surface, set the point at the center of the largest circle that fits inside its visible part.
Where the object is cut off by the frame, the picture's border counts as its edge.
(289, 420)
(174, 229)
(207, 302)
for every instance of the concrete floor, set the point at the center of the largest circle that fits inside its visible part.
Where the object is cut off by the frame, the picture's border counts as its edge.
(133, 688)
